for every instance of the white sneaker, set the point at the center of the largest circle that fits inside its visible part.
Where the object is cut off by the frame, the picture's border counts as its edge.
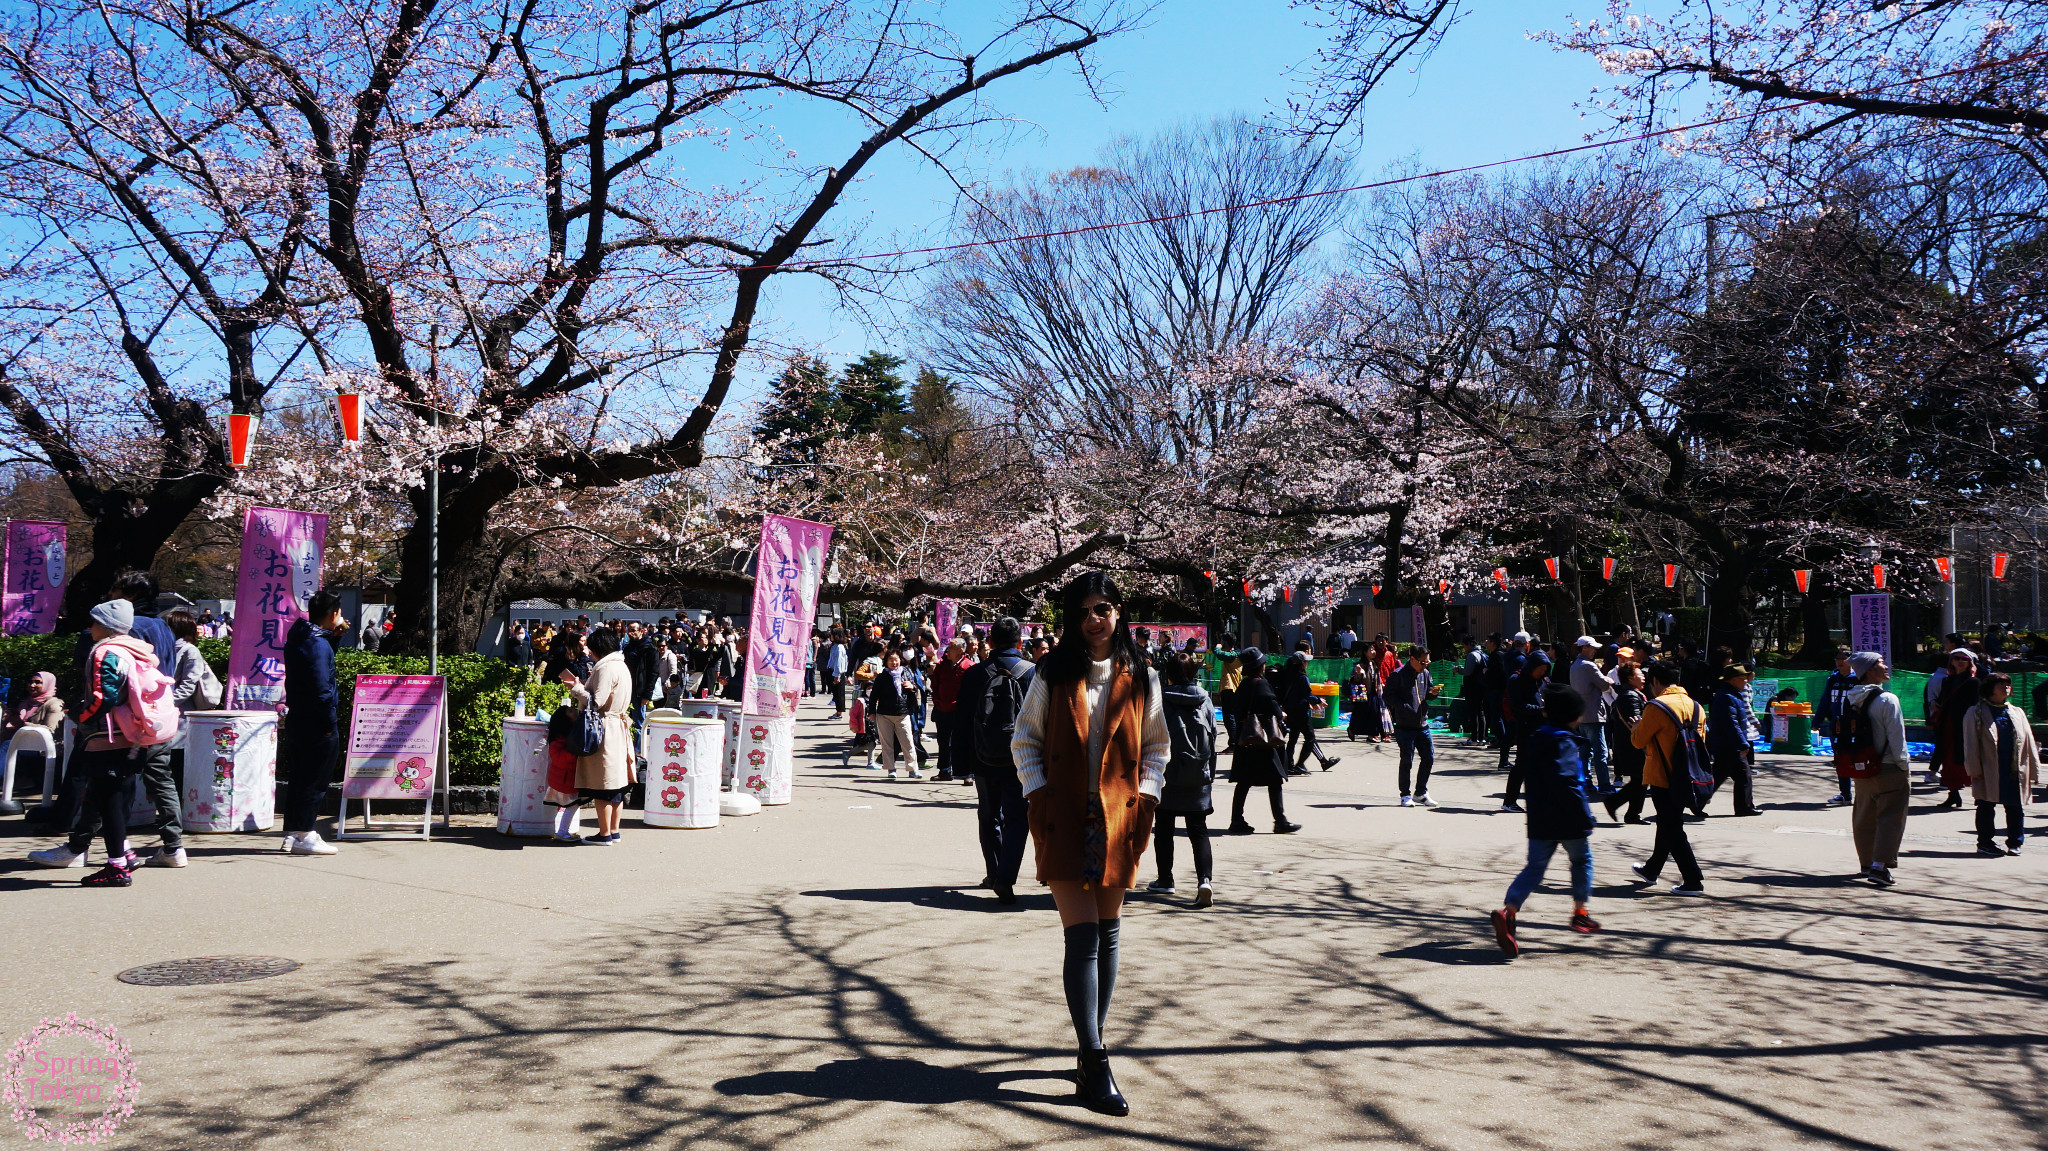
(1407, 802)
(916, 774)
(167, 857)
(310, 843)
(892, 773)
(1837, 800)
(59, 856)
(1426, 800)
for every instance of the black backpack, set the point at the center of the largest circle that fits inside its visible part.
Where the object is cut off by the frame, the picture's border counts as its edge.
(1001, 700)
(1692, 758)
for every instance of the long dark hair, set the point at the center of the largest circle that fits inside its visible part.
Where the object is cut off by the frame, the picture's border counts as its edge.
(1068, 661)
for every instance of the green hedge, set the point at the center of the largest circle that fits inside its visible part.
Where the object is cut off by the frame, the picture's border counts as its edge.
(480, 690)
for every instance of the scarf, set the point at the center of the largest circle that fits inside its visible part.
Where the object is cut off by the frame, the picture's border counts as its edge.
(40, 689)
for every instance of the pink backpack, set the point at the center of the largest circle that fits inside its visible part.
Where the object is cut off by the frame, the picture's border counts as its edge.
(146, 715)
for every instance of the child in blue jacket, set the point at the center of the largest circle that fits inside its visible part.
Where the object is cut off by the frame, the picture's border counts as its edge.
(1558, 814)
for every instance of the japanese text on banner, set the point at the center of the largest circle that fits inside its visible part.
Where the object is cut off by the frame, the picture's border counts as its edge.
(34, 567)
(279, 572)
(1870, 624)
(786, 576)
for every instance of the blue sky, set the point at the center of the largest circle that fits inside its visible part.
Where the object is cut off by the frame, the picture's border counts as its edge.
(1489, 93)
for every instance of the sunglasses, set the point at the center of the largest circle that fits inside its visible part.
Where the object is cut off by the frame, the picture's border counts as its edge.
(1102, 610)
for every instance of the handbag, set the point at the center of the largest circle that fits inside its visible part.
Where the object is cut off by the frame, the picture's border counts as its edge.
(583, 730)
(1258, 730)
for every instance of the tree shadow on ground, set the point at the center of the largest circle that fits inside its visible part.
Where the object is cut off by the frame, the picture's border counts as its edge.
(1357, 1001)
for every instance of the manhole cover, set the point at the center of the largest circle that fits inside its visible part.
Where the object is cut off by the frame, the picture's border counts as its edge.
(209, 969)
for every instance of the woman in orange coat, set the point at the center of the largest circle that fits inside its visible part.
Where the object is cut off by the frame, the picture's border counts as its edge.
(1091, 748)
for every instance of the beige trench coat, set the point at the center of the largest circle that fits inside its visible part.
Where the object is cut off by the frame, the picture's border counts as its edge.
(609, 689)
(1980, 753)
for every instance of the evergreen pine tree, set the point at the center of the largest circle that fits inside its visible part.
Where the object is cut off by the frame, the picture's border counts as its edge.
(799, 416)
(871, 395)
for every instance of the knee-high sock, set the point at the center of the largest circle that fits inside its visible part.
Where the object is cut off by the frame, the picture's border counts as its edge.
(565, 820)
(1080, 974)
(1105, 971)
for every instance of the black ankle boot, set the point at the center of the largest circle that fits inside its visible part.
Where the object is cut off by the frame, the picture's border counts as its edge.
(1097, 1087)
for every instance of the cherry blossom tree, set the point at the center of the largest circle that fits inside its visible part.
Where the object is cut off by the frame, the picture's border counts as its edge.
(536, 237)
(158, 273)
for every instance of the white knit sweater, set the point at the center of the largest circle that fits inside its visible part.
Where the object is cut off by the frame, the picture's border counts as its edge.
(1027, 746)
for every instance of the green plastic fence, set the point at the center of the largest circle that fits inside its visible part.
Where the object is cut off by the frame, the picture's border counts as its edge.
(1910, 686)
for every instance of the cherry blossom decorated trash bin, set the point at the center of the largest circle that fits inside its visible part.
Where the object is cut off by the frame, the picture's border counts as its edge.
(230, 772)
(683, 758)
(523, 779)
(729, 712)
(767, 759)
(700, 708)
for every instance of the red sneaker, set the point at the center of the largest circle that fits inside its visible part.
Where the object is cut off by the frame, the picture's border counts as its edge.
(1584, 924)
(1504, 932)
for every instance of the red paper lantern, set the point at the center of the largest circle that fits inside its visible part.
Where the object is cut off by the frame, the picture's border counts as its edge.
(1877, 575)
(1550, 563)
(1210, 576)
(351, 406)
(1287, 593)
(1501, 574)
(1607, 568)
(1800, 576)
(1443, 588)
(1375, 591)
(1247, 589)
(1944, 569)
(241, 431)
(1670, 575)
(1998, 564)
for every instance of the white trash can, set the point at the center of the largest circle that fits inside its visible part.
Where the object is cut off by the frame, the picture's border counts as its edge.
(682, 772)
(729, 713)
(767, 759)
(523, 779)
(230, 772)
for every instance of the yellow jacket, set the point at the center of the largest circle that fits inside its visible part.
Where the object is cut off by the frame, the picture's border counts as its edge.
(1658, 737)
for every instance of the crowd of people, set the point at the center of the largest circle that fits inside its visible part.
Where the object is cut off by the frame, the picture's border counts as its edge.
(1651, 730)
(1093, 742)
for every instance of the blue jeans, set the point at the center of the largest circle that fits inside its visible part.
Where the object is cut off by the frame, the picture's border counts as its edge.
(1540, 850)
(1592, 739)
(1415, 744)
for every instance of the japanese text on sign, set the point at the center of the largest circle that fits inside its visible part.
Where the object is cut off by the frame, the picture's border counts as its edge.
(34, 570)
(394, 741)
(278, 574)
(786, 575)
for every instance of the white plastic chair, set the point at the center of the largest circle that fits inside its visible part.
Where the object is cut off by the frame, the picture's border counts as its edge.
(30, 738)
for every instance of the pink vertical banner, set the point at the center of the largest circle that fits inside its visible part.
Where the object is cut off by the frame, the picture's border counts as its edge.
(946, 620)
(279, 572)
(786, 577)
(34, 565)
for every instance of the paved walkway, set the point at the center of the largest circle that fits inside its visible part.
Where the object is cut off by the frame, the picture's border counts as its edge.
(825, 976)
